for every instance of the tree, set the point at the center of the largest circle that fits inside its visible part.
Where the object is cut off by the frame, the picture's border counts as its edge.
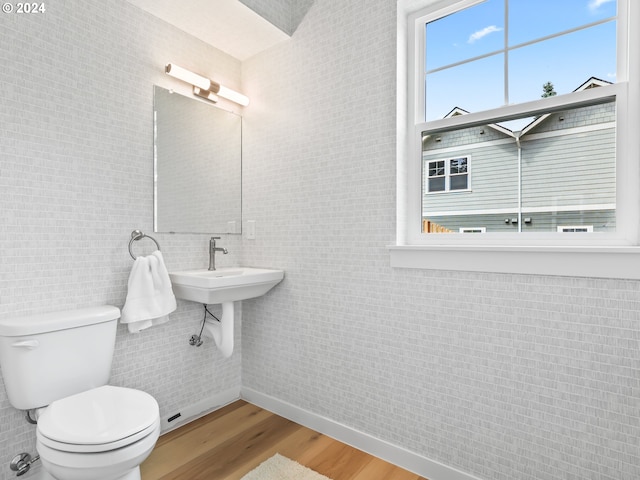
(547, 90)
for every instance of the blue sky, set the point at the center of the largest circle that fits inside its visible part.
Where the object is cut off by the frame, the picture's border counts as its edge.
(567, 61)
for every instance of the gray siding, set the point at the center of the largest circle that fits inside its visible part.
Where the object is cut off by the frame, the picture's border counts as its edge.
(558, 170)
(493, 180)
(601, 220)
(578, 117)
(569, 170)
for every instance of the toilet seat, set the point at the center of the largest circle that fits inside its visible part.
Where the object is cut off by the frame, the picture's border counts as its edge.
(98, 420)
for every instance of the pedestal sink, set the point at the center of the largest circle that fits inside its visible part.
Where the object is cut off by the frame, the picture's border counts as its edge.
(224, 286)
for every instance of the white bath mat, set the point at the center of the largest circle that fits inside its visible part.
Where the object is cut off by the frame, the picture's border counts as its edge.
(281, 468)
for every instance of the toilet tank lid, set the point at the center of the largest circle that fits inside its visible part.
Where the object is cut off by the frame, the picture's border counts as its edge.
(51, 322)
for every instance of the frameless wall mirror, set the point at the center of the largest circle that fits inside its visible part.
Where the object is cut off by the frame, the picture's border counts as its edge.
(197, 166)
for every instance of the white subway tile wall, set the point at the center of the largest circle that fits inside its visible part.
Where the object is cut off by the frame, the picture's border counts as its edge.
(76, 177)
(501, 376)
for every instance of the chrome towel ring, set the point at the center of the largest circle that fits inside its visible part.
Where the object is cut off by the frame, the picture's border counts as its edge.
(137, 235)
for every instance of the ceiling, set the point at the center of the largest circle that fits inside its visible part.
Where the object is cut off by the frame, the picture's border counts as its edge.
(228, 25)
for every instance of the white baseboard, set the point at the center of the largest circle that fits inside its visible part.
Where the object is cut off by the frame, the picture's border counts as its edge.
(207, 405)
(362, 441)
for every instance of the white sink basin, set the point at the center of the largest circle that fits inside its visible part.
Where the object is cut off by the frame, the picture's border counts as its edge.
(224, 284)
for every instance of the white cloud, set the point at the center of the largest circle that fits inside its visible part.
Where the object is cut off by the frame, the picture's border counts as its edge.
(474, 37)
(596, 4)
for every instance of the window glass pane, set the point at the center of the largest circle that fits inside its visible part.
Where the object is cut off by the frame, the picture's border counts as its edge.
(568, 169)
(473, 87)
(469, 33)
(530, 20)
(436, 184)
(567, 62)
(557, 169)
(467, 61)
(458, 165)
(436, 169)
(459, 182)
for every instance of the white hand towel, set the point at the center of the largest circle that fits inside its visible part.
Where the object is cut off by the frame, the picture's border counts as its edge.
(150, 299)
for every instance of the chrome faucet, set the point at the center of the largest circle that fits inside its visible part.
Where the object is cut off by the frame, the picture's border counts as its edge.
(212, 252)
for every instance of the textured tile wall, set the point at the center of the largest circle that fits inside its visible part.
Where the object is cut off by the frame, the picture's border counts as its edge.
(284, 14)
(278, 12)
(76, 177)
(501, 376)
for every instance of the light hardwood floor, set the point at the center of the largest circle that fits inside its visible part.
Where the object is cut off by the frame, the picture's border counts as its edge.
(232, 441)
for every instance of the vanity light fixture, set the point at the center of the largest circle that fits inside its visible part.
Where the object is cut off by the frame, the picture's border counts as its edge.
(206, 94)
(204, 87)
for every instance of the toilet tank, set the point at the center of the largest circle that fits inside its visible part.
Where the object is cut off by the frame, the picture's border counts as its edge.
(54, 355)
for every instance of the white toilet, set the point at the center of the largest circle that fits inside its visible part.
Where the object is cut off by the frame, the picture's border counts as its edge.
(58, 364)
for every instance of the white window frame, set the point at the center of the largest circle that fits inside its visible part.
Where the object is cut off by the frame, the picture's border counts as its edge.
(592, 255)
(447, 175)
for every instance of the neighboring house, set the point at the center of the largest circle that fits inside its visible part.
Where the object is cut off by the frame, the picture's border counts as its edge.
(557, 173)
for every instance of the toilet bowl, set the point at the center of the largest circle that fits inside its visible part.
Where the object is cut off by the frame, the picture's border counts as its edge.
(101, 434)
(58, 364)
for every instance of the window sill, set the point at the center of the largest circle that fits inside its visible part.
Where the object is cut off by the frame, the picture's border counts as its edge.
(449, 192)
(591, 261)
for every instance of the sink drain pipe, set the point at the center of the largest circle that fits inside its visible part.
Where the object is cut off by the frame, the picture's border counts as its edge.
(221, 331)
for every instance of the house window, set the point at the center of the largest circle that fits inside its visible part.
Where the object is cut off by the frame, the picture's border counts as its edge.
(575, 228)
(542, 95)
(447, 175)
(436, 181)
(458, 173)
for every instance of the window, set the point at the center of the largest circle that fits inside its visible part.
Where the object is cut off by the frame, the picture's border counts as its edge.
(575, 228)
(540, 95)
(447, 175)
(553, 166)
(437, 176)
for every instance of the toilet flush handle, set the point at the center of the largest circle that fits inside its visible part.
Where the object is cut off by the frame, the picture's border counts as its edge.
(29, 344)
